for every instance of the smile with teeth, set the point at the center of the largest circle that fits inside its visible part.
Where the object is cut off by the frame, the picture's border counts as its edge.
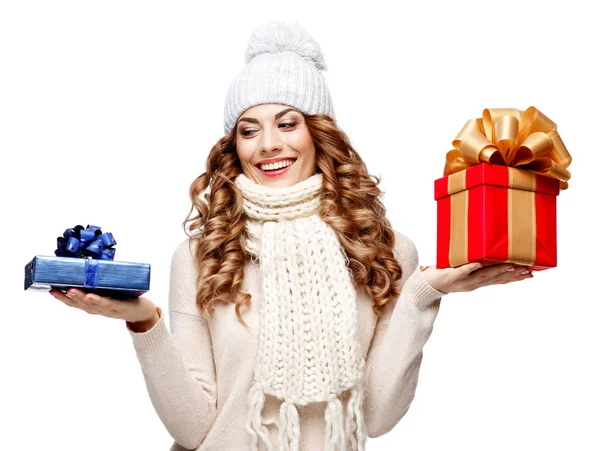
(275, 166)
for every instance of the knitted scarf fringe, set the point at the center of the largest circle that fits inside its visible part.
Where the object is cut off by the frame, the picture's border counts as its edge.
(339, 429)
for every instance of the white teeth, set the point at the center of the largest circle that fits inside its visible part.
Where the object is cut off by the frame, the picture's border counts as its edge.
(278, 165)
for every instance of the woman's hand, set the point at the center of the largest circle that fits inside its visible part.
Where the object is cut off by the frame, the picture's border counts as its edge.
(471, 276)
(135, 310)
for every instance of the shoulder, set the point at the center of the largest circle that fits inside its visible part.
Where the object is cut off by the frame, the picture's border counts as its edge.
(405, 252)
(183, 254)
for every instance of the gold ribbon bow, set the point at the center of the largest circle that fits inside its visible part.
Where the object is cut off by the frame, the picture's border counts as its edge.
(510, 137)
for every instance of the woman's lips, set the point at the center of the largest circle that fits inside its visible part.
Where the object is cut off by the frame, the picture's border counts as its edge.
(276, 172)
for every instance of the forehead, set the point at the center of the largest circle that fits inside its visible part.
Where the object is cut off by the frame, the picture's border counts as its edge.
(266, 110)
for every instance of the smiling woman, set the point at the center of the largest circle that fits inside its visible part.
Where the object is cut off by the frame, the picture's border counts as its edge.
(294, 235)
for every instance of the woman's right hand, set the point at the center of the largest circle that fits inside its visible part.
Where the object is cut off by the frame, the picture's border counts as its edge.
(135, 310)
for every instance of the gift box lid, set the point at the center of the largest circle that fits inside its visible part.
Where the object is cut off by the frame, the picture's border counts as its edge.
(497, 175)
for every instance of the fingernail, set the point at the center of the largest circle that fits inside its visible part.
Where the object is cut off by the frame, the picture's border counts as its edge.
(510, 269)
(69, 294)
(525, 272)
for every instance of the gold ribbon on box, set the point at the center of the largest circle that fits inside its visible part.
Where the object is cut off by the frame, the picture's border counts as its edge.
(509, 137)
(524, 140)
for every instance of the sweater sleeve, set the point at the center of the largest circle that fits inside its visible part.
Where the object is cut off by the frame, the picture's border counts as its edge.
(396, 350)
(178, 366)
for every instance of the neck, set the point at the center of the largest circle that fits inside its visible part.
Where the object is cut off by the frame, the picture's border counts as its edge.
(265, 203)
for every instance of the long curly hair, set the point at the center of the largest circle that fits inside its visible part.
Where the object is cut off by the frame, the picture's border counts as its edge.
(350, 204)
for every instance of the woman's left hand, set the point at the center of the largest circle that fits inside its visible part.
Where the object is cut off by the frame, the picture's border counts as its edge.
(471, 276)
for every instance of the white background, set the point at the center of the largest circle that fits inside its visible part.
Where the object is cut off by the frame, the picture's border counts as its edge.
(109, 109)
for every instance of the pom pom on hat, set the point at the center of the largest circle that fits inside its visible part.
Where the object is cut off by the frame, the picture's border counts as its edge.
(275, 37)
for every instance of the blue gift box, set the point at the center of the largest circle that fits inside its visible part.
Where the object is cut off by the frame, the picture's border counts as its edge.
(84, 258)
(109, 278)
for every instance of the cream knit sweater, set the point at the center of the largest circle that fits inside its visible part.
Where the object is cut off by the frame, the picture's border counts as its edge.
(198, 375)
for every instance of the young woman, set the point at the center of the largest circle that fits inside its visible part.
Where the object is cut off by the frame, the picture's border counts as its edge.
(298, 315)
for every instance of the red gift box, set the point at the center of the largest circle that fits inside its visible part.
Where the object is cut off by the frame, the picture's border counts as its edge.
(496, 214)
(497, 200)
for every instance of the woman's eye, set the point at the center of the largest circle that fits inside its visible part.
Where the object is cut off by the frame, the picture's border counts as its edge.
(247, 131)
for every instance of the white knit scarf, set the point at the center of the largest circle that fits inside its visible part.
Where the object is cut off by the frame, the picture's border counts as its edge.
(308, 350)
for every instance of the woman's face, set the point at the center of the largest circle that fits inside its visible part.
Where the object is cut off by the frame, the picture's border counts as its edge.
(276, 132)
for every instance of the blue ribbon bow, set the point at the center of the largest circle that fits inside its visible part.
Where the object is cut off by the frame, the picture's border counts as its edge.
(89, 243)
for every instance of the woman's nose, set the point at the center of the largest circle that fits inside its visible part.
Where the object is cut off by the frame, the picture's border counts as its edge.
(270, 140)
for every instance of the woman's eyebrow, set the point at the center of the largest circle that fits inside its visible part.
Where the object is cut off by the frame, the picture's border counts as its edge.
(277, 116)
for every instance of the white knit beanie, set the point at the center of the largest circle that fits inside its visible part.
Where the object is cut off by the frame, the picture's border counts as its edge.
(283, 65)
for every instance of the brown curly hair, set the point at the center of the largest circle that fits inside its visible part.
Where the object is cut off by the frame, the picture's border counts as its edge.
(350, 204)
